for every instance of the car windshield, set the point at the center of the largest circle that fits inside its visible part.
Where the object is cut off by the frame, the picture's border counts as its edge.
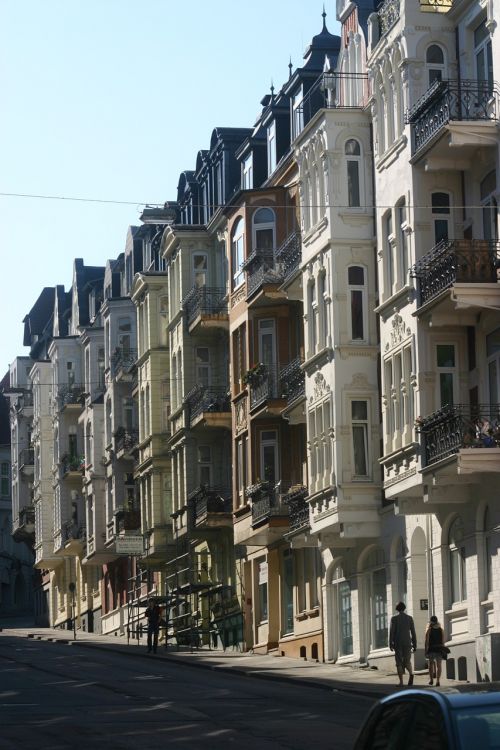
(478, 727)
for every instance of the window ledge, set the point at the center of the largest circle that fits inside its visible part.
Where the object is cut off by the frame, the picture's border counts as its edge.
(389, 302)
(487, 602)
(392, 152)
(313, 232)
(457, 609)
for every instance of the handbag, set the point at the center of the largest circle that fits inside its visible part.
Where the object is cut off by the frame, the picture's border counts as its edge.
(444, 652)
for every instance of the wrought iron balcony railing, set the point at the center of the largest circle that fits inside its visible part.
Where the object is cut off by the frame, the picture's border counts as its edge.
(206, 499)
(200, 400)
(451, 428)
(72, 531)
(26, 516)
(205, 300)
(125, 440)
(72, 463)
(27, 457)
(265, 384)
(70, 394)
(288, 256)
(266, 502)
(333, 91)
(448, 101)
(293, 380)
(24, 400)
(456, 261)
(261, 269)
(298, 507)
(123, 359)
(388, 14)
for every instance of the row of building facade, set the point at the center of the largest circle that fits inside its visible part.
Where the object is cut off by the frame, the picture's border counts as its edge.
(278, 408)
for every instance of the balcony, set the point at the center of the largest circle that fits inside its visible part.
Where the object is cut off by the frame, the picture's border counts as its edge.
(263, 272)
(125, 442)
(456, 107)
(27, 461)
(298, 508)
(334, 91)
(127, 520)
(293, 381)
(24, 529)
(72, 466)
(74, 536)
(266, 503)
(287, 258)
(206, 306)
(210, 407)
(265, 384)
(123, 360)
(466, 267)
(388, 14)
(472, 433)
(70, 397)
(24, 402)
(210, 508)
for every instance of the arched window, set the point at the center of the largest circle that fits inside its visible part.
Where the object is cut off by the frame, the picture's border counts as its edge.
(357, 302)
(264, 227)
(490, 207)
(342, 607)
(456, 561)
(237, 253)
(441, 213)
(402, 572)
(434, 59)
(353, 160)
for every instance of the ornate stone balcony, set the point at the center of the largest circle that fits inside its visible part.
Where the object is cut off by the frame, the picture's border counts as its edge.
(456, 261)
(451, 101)
(462, 429)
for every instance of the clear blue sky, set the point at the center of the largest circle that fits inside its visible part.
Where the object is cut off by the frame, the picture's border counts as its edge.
(112, 99)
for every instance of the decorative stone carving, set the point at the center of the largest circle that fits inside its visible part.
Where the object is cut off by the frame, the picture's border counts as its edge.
(399, 330)
(320, 386)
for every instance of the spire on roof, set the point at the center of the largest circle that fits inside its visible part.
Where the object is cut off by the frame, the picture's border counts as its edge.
(290, 66)
(324, 18)
(272, 89)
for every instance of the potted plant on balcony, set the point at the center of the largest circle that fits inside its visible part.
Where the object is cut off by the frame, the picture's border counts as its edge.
(255, 374)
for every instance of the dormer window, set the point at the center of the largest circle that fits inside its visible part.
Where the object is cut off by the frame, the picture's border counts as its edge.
(247, 173)
(297, 113)
(271, 148)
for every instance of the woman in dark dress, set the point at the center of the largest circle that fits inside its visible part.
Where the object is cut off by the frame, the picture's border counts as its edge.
(434, 644)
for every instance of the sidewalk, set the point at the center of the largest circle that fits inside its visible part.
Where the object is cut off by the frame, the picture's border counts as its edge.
(368, 682)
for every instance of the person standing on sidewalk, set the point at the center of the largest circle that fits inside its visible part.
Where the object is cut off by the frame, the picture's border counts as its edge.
(434, 646)
(153, 616)
(403, 640)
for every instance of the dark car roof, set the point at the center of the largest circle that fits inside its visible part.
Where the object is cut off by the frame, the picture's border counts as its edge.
(461, 696)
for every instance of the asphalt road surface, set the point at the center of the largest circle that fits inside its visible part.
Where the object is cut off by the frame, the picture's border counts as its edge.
(57, 696)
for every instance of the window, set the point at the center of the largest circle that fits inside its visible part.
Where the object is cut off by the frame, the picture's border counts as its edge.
(262, 589)
(353, 158)
(100, 367)
(269, 469)
(404, 259)
(237, 253)
(440, 216)
(205, 465)
(287, 592)
(447, 374)
(312, 326)
(390, 253)
(488, 552)
(70, 370)
(4, 479)
(203, 366)
(343, 610)
(434, 59)
(297, 113)
(359, 415)
(320, 421)
(128, 414)
(490, 207)
(124, 331)
(357, 298)
(378, 598)
(402, 572)
(493, 354)
(483, 55)
(263, 230)
(247, 173)
(241, 469)
(200, 267)
(456, 559)
(271, 147)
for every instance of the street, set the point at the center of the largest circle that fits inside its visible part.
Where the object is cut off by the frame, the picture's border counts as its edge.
(56, 696)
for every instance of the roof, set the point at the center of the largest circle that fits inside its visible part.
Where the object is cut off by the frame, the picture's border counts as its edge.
(456, 697)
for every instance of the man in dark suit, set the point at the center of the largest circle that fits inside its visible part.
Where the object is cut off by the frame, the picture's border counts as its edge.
(403, 640)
